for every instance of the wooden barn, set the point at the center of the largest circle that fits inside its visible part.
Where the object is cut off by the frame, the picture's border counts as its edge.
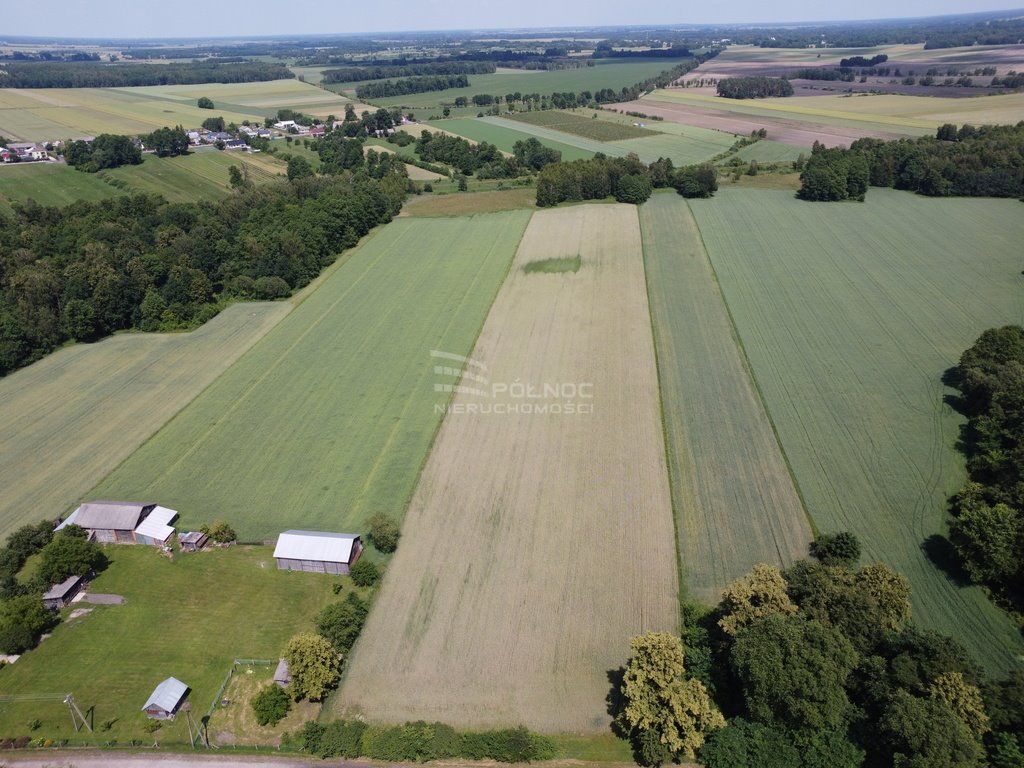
(61, 594)
(165, 700)
(124, 522)
(317, 551)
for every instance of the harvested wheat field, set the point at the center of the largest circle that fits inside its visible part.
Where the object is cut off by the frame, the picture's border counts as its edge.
(536, 544)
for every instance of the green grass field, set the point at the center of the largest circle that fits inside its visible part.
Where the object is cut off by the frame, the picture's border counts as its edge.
(71, 418)
(189, 618)
(580, 125)
(50, 184)
(503, 137)
(849, 314)
(328, 420)
(767, 151)
(734, 500)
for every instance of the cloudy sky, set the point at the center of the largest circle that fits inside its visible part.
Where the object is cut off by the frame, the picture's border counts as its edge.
(159, 18)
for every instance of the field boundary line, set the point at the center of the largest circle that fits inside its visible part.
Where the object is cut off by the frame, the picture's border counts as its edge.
(664, 427)
(753, 376)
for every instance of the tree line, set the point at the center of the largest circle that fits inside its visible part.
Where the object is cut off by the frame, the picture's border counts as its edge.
(860, 61)
(89, 269)
(381, 72)
(988, 527)
(101, 75)
(107, 150)
(409, 85)
(626, 179)
(816, 666)
(754, 87)
(969, 162)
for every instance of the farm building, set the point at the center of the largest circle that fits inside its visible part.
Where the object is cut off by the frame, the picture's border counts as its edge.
(282, 675)
(60, 595)
(163, 703)
(192, 541)
(317, 551)
(123, 522)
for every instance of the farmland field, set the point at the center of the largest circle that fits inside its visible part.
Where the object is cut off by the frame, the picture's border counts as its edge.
(462, 203)
(71, 418)
(734, 500)
(51, 184)
(578, 125)
(327, 421)
(849, 315)
(766, 151)
(537, 543)
(188, 619)
(504, 137)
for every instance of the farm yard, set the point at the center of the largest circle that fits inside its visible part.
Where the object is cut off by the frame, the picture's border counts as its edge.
(328, 419)
(72, 417)
(189, 618)
(734, 500)
(849, 314)
(537, 544)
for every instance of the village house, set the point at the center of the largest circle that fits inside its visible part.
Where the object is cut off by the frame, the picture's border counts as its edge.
(166, 699)
(121, 522)
(317, 131)
(317, 551)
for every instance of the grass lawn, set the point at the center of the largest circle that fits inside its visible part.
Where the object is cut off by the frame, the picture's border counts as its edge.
(235, 723)
(849, 314)
(504, 137)
(329, 418)
(188, 618)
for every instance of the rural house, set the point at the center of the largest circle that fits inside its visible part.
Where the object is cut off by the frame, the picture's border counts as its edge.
(123, 522)
(317, 551)
(60, 595)
(165, 699)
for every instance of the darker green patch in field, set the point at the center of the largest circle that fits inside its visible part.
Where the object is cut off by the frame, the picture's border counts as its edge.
(554, 266)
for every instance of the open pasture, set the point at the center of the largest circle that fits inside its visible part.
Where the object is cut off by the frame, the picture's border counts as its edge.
(189, 619)
(767, 151)
(579, 125)
(734, 499)
(71, 418)
(462, 203)
(328, 420)
(537, 543)
(503, 137)
(50, 184)
(849, 314)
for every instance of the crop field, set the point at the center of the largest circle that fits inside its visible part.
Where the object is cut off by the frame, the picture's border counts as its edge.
(697, 145)
(60, 113)
(734, 500)
(461, 203)
(189, 618)
(71, 418)
(849, 315)
(1007, 108)
(504, 137)
(537, 542)
(579, 125)
(767, 151)
(328, 419)
(50, 184)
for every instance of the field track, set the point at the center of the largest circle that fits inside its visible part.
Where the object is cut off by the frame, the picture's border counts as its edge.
(849, 315)
(75, 415)
(536, 545)
(734, 499)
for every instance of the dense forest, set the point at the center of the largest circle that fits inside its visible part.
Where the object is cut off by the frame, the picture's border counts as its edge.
(817, 666)
(98, 75)
(409, 85)
(754, 87)
(90, 269)
(626, 179)
(381, 72)
(482, 159)
(988, 529)
(969, 161)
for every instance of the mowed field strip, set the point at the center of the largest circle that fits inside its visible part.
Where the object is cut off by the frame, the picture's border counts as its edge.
(537, 544)
(71, 418)
(849, 315)
(328, 420)
(734, 499)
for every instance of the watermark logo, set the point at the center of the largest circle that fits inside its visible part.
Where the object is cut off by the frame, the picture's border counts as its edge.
(466, 376)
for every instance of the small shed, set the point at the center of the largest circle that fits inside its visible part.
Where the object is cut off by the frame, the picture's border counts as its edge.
(317, 551)
(60, 595)
(165, 700)
(192, 541)
(282, 675)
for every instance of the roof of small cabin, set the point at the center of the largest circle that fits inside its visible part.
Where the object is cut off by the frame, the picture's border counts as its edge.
(191, 537)
(167, 695)
(111, 515)
(282, 674)
(157, 524)
(315, 545)
(58, 591)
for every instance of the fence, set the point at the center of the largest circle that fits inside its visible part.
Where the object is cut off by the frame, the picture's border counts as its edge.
(231, 673)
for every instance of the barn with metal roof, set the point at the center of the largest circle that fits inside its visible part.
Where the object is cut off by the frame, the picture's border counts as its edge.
(163, 703)
(317, 551)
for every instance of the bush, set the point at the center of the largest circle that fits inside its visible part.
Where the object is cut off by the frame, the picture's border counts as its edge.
(221, 532)
(365, 573)
(384, 533)
(836, 548)
(342, 622)
(271, 705)
(272, 287)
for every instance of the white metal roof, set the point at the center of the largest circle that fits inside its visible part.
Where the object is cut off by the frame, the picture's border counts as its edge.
(69, 521)
(167, 695)
(315, 545)
(156, 524)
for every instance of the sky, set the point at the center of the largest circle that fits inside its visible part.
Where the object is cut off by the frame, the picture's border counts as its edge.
(159, 18)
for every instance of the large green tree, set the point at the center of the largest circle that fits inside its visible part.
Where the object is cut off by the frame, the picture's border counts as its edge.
(68, 556)
(315, 665)
(760, 593)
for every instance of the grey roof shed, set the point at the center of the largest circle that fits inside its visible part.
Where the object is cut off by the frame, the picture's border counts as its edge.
(166, 697)
(112, 515)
